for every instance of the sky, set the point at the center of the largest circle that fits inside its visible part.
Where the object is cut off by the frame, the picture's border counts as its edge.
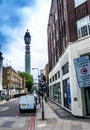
(16, 16)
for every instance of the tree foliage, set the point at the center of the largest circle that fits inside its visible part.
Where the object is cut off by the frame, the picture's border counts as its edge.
(28, 78)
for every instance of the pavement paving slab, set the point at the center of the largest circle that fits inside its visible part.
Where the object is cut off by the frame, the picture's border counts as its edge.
(59, 119)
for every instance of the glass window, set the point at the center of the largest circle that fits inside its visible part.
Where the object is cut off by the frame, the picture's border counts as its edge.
(89, 28)
(55, 76)
(79, 2)
(83, 27)
(8, 77)
(67, 93)
(58, 74)
(65, 68)
(84, 31)
(57, 93)
(8, 70)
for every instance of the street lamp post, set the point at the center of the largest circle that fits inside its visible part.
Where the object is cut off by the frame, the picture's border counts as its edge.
(7, 97)
(38, 73)
(42, 84)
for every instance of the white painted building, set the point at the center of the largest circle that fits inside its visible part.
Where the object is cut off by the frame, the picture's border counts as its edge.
(80, 101)
(68, 33)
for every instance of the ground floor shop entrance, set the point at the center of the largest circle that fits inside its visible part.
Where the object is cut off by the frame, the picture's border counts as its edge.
(67, 93)
(87, 99)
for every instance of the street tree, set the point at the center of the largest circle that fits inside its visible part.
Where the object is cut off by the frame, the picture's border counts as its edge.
(28, 79)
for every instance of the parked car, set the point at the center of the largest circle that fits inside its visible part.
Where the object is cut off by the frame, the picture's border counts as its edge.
(27, 102)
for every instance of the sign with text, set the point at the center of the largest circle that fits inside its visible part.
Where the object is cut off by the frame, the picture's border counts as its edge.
(82, 67)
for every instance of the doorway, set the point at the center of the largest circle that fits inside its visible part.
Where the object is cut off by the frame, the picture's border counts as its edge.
(87, 97)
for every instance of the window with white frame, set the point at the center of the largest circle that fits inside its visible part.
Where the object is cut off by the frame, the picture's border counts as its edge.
(83, 27)
(79, 2)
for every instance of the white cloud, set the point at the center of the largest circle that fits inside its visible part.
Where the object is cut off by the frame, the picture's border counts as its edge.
(35, 19)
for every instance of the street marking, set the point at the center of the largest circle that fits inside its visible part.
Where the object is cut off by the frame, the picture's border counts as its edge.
(3, 108)
(17, 114)
(31, 123)
(42, 125)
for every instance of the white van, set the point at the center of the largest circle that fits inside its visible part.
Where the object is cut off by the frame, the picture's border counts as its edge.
(27, 102)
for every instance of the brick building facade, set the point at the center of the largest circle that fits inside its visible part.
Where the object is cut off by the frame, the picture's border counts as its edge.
(68, 38)
(12, 81)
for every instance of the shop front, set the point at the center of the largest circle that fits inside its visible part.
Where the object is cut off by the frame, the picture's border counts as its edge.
(66, 94)
(57, 93)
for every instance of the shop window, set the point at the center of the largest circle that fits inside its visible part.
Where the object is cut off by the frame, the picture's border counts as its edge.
(66, 93)
(51, 92)
(89, 28)
(57, 93)
(87, 54)
(65, 68)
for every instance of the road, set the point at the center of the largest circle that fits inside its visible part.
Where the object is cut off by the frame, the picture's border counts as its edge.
(11, 119)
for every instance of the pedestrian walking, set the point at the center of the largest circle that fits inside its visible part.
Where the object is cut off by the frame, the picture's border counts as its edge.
(35, 96)
(45, 96)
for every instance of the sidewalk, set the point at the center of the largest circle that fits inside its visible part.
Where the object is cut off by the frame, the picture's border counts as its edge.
(2, 102)
(53, 122)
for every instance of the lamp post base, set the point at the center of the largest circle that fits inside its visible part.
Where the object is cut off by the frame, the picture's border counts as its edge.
(42, 109)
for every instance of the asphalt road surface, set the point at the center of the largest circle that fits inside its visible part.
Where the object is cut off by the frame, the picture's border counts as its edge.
(11, 119)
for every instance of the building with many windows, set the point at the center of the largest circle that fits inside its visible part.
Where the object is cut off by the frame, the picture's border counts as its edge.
(11, 80)
(69, 55)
